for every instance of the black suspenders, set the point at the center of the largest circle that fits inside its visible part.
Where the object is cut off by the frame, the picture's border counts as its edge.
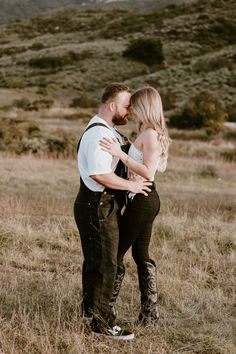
(102, 125)
(90, 126)
(121, 169)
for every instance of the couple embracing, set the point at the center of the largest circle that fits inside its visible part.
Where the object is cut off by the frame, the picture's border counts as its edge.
(114, 173)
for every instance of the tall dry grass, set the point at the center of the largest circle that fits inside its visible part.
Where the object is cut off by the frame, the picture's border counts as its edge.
(193, 245)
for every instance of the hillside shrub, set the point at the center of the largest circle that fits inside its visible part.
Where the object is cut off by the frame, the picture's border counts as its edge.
(231, 134)
(22, 103)
(62, 21)
(208, 170)
(168, 98)
(133, 135)
(224, 29)
(213, 64)
(26, 105)
(52, 62)
(79, 115)
(12, 50)
(201, 111)
(221, 31)
(3, 81)
(17, 135)
(61, 143)
(231, 111)
(146, 50)
(37, 46)
(20, 135)
(84, 100)
(229, 155)
(124, 23)
(40, 104)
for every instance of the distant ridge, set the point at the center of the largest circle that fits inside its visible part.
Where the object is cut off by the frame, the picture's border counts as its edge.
(11, 10)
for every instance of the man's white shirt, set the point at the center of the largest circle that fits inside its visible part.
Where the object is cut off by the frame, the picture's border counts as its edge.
(92, 160)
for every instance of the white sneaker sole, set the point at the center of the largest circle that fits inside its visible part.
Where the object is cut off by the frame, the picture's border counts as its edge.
(125, 337)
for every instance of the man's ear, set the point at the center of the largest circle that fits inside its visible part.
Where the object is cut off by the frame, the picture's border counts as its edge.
(112, 106)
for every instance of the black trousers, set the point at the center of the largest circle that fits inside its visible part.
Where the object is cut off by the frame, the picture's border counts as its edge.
(136, 226)
(97, 215)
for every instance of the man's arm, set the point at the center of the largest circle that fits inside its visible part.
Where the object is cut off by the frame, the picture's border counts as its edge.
(111, 180)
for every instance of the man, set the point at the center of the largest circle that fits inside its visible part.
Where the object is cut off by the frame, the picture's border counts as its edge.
(97, 210)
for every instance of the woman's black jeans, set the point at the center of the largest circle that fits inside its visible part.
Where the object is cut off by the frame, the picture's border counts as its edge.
(136, 226)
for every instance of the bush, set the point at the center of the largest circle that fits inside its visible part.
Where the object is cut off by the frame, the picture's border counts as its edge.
(12, 50)
(22, 103)
(201, 111)
(207, 170)
(168, 98)
(33, 129)
(61, 144)
(37, 46)
(26, 105)
(19, 135)
(84, 101)
(146, 50)
(40, 104)
(231, 134)
(231, 111)
(224, 28)
(53, 62)
(212, 64)
(229, 155)
(79, 115)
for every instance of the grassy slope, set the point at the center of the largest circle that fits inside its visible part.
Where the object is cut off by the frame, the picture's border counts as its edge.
(190, 34)
(13, 9)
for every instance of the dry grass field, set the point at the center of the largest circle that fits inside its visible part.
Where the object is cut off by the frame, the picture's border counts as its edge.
(52, 72)
(193, 245)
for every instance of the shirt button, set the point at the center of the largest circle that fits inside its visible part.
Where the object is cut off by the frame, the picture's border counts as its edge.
(101, 203)
(105, 193)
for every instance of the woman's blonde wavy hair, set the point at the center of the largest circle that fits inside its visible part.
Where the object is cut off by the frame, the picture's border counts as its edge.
(147, 105)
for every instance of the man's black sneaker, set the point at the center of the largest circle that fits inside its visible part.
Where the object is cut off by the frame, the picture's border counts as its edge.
(115, 333)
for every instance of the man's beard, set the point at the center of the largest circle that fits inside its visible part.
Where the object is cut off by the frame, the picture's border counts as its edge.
(118, 119)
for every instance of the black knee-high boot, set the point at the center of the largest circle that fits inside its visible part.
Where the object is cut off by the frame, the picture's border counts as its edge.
(149, 313)
(117, 285)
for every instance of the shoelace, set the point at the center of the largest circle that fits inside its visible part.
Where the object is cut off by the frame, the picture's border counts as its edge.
(115, 330)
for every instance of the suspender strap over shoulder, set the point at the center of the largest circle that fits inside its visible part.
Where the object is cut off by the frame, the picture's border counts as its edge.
(102, 125)
(121, 169)
(90, 126)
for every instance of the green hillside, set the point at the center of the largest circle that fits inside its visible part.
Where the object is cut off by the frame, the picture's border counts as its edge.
(64, 60)
(13, 9)
(88, 46)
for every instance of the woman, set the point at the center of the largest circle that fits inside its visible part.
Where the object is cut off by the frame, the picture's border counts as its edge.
(146, 155)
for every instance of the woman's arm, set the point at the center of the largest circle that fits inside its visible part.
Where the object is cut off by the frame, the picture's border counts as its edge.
(151, 151)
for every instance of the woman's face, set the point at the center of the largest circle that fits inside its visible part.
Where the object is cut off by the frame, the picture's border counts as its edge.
(134, 115)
